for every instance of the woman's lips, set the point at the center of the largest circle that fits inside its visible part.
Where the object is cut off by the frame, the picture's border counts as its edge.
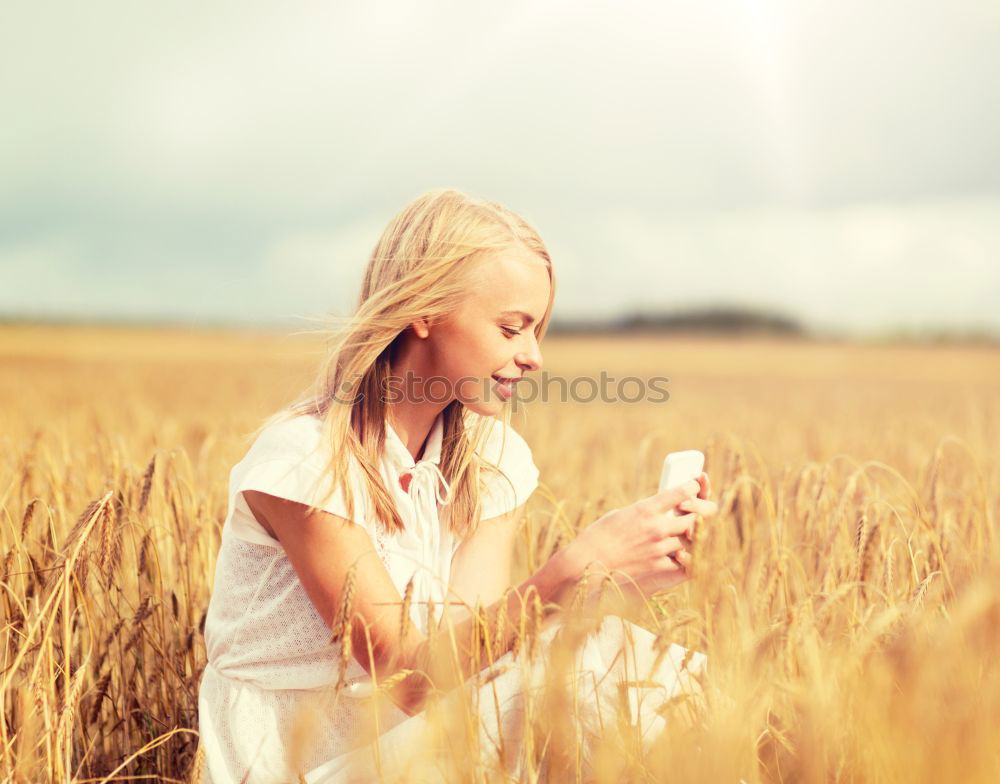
(505, 386)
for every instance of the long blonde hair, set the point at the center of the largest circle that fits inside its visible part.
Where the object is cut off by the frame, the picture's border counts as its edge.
(418, 269)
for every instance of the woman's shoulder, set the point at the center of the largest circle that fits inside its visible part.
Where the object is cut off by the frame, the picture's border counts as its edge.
(289, 436)
(289, 458)
(505, 448)
(502, 446)
(502, 443)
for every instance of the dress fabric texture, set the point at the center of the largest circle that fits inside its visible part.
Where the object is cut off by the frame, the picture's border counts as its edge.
(270, 654)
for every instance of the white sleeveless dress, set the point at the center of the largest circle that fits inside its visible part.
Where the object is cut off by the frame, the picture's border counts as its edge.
(270, 656)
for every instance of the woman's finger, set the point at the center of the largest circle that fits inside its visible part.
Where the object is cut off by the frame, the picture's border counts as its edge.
(668, 498)
(706, 485)
(673, 544)
(701, 506)
(677, 524)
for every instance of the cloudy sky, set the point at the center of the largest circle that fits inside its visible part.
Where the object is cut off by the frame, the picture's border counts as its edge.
(236, 162)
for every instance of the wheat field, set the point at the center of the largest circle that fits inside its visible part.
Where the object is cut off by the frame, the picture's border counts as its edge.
(847, 594)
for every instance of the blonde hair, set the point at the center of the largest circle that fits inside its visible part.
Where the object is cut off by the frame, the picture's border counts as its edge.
(418, 269)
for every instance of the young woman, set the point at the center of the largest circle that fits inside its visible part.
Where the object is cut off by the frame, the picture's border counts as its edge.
(394, 490)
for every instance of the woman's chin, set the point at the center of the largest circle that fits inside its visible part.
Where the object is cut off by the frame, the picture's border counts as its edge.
(485, 407)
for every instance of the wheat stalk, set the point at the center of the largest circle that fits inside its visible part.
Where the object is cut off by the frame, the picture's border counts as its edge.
(345, 624)
(198, 766)
(144, 610)
(109, 535)
(101, 690)
(147, 484)
(64, 722)
(404, 621)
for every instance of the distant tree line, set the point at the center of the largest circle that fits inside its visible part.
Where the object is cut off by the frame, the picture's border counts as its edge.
(715, 319)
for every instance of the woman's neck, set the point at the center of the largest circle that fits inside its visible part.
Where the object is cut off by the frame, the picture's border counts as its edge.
(413, 425)
(411, 416)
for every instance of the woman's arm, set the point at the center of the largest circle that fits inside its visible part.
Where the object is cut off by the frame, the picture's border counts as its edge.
(481, 569)
(636, 542)
(323, 548)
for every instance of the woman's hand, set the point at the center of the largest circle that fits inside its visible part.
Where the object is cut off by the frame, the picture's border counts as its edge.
(646, 547)
(699, 505)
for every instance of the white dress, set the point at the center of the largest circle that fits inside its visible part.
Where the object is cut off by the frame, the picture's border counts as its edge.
(270, 656)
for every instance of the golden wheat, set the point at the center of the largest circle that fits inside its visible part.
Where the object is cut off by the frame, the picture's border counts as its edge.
(846, 591)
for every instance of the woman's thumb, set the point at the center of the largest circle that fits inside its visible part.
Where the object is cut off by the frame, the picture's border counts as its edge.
(674, 495)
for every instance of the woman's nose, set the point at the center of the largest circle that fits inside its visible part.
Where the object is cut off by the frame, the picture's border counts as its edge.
(531, 359)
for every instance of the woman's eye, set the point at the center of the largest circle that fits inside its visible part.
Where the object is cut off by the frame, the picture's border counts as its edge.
(511, 331)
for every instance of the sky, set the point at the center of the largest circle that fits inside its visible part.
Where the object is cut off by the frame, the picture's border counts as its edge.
(834, 161)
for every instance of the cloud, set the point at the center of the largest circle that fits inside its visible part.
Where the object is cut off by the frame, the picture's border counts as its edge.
(861, 267)
(41, 274)
(773, 146)
(322, 268)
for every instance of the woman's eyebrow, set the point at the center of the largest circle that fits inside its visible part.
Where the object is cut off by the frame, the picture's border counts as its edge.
(528, 319)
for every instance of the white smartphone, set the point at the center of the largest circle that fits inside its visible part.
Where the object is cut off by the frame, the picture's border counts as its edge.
(678, 467)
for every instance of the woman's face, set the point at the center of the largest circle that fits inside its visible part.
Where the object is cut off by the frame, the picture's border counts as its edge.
(491, 335)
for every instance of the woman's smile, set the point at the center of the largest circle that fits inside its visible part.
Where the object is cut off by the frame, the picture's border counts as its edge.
(505, 386)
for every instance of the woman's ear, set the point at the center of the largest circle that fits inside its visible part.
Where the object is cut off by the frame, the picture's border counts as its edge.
(421, 328)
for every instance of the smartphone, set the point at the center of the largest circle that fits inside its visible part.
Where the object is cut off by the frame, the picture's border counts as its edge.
(678, 467)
